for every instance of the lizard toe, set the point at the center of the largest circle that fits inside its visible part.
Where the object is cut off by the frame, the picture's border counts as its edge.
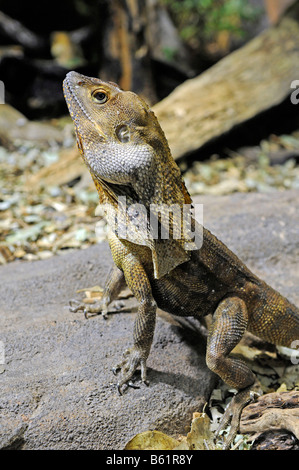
(132, 358)
(75, 306)
(89, 310)
(233, 412)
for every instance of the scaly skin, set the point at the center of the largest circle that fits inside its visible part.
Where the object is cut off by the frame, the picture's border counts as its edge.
(127, 154)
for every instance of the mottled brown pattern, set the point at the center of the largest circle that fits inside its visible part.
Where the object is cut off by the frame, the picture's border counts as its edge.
(209, 280)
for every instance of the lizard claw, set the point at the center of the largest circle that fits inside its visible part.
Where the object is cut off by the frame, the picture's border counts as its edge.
(131, 359)
(74, 305)
(233, 412)
(89, 310)
(130, 384)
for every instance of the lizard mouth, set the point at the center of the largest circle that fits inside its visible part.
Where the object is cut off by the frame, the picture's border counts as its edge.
(72, 84)
(69, 83)
(71, 88)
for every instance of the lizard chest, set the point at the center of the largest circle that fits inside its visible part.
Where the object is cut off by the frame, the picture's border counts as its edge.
(189, 290)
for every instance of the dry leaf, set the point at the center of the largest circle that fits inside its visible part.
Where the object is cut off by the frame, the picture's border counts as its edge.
(90, 289)
(200, 437)
(272, 411)
(151, 440)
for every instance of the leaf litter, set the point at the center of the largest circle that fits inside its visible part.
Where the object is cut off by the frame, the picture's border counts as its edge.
(38, 222)
(42, 216)
(275, 374)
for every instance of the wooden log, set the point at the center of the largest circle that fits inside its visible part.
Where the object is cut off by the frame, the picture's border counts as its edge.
(275, 440)
(272, 412)
(15, 126)
(275, 8)
(245, 83)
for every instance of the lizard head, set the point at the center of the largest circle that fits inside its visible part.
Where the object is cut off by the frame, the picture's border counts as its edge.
(113, 114)
(127, 153)
(121, 139)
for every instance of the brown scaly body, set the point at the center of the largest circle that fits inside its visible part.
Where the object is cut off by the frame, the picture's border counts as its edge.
(127, 154)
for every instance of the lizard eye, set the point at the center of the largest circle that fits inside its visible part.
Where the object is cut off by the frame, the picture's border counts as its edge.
(100, 97)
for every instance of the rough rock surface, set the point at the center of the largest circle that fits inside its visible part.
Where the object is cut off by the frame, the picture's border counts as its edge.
(57, 389)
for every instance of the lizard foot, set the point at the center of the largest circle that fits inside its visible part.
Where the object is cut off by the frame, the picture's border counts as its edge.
(89, 310)
(233, 412)
(131, 359)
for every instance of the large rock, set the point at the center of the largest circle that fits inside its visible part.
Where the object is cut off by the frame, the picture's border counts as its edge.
(57, 389)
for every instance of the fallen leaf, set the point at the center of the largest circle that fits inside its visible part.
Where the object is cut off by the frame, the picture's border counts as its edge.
(29, 233)
(290, 377)
(200, 436)
(5, 254)
(91, 289)
(151, 440)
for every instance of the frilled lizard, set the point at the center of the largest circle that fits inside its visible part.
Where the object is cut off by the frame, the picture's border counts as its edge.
(137, 179)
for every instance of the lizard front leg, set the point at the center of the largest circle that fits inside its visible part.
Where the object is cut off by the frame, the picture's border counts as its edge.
(128, 257)
(114, 284)
(229, 324)
(144, 326)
